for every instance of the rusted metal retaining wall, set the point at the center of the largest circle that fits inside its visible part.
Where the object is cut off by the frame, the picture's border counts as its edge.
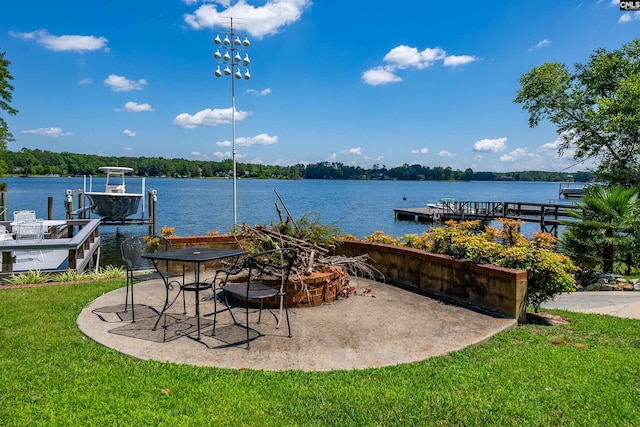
(490, 287)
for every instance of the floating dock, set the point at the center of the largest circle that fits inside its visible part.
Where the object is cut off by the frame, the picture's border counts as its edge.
(548, 215)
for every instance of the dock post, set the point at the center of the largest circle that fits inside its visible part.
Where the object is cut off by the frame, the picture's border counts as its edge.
(7, 262)
(50, 207)
(83, 214)
(3, 204)
(68, 203)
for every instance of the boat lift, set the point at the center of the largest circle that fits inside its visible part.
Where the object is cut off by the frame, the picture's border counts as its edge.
(83, 211)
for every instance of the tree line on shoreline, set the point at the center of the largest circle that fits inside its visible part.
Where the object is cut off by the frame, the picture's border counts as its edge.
(36, 162)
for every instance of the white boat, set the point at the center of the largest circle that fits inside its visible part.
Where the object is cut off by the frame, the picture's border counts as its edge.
(114, 203)
(572, 191)
(444, 203)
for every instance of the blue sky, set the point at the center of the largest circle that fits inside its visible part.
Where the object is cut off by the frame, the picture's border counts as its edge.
(356, 82)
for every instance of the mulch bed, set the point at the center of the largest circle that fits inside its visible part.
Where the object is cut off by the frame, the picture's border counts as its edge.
(546, 319)
(41, 285)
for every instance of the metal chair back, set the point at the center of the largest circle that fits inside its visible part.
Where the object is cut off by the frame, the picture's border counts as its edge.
(139, 268)
(268, 277)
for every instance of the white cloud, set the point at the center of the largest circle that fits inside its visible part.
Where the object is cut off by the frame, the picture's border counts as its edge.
(261, 139)
(628, 17)
(222, 154)
(445, 153)
(129, 132)
(86, 81)
(52, 132)
(332, 157)
(541, 43)
(63, 43)
(403, 57)
(455, 61)
(517, 154)
(379, 75)
(564, 137)
(420, 151)
(122, 84)
(490, 145)
(228, 155)
(406, 56)
(550, 146)
(134, 107)
(356, 151)
(208, 118)
(256, 21)
(195, 153)
(262, 92)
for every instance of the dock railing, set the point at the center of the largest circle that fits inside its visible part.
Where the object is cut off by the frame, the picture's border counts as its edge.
(79, 237)
(548, 215)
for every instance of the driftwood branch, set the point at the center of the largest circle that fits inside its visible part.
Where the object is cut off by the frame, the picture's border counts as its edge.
(359, 266)
(289, 217)
(311, 256)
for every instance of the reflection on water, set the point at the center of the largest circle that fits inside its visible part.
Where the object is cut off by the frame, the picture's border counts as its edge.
(110, 248)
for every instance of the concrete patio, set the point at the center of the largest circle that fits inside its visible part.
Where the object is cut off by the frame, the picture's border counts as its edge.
(379, 325)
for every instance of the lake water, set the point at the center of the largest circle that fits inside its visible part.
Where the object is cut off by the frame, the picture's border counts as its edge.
(196, 206)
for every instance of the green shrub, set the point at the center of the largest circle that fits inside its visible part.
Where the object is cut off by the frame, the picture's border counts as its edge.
(379, 237)
(29, 277)
(109, 272)
(548, 272)
(70, 276)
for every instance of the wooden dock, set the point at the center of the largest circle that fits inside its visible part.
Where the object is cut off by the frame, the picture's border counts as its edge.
(548, 215)
(74, 247)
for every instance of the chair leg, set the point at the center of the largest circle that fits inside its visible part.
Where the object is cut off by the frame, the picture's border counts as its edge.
(280, 314)
(247, 320)
(226, 303)
(133, 310)
(126, 299)
(260, 312)
(126, 296)
(215, 309)
(286, 311)
(184, 300)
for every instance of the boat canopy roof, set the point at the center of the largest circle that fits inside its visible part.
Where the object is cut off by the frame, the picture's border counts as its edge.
(115, 169)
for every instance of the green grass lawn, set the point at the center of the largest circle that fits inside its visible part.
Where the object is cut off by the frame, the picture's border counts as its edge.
(584, 373)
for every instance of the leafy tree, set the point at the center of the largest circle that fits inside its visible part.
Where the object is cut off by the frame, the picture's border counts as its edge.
(605, 229)
(5, 98)
(595, 107)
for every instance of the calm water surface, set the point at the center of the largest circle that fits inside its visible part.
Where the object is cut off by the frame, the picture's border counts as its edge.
(195, 206)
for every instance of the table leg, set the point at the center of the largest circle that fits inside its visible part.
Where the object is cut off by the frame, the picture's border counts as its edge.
(197, 277)
(166, 301)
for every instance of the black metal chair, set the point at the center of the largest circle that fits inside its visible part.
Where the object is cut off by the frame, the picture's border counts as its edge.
(267, 276)
(140, 269)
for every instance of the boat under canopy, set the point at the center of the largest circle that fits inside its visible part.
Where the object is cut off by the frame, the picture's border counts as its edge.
(114, 203)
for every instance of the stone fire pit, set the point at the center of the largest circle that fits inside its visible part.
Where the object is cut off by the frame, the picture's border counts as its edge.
(310, 290)
(313, 290)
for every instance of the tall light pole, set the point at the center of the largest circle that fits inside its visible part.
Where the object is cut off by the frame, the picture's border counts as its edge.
(232, 60)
